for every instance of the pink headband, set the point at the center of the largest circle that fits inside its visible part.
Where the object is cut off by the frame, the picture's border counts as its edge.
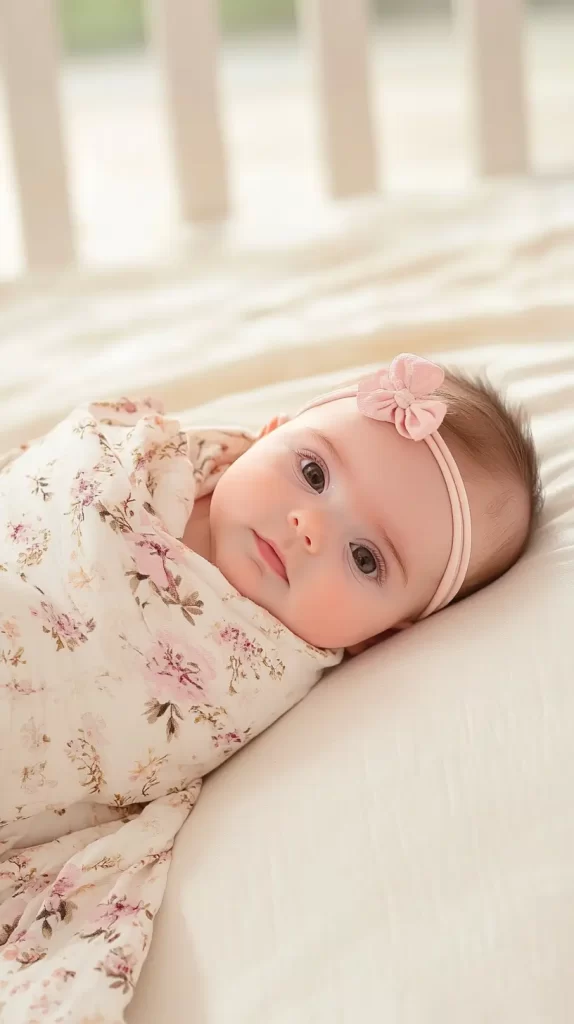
(402, 395)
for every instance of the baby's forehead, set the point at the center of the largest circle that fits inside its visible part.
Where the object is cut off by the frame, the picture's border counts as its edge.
(377, 455)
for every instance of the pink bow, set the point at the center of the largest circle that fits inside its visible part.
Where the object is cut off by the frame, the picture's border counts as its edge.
(401, 396)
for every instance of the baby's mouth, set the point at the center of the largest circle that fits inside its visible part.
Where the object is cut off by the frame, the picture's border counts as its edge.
(271, 555)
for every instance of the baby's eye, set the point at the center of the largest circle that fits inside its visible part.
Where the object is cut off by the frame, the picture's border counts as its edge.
(313, 474)
(364, 559)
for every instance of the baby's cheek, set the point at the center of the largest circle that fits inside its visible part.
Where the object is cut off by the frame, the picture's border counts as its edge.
(323, 612)
(235, 492)
(255, 480)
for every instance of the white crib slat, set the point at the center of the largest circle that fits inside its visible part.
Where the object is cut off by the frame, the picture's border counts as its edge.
(492, 35)
(29, 61)
(186, 35)
(338, 35)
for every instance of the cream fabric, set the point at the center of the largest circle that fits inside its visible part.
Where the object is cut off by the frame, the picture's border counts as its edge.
(399, 847)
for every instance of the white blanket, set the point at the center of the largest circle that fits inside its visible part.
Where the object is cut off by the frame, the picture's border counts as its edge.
(129, 669)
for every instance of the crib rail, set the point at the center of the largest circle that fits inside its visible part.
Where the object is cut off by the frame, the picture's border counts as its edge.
(184, 35)
(186, 40)
(338, 43)
(492, 36)
(29, 62)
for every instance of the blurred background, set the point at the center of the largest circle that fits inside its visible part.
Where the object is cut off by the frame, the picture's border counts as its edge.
(101, 24)
(121, 171)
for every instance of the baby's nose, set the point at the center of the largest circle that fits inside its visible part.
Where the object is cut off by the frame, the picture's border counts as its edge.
(309, 527)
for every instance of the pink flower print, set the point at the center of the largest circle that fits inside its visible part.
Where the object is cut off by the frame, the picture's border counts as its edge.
(238, 640)
(69, 879)
(56, 904)
(245, 656)
(151, 554)
(52, 904)
(142, 459)
(227, 739)
(115, 909)
(177, 672)
(65, 630)
(152, 550)
(126, 405)
(85, 490)
(19, 533)
(25, 957)
(119, 965)
(37, 543)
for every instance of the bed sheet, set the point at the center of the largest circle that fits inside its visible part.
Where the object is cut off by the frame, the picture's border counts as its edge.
(239, 311)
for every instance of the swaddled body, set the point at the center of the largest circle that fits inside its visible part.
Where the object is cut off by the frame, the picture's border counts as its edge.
(129, 668)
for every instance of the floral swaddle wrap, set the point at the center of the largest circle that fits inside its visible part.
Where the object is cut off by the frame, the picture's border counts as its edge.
(129, 668)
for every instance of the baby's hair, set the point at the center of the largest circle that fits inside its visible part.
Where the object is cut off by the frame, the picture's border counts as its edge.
(484, 427)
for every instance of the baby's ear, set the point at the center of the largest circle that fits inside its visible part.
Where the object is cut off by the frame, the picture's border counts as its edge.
(277, 421)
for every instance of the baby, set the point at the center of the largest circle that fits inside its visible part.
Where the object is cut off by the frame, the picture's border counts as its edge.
(344, 529)
(167, 595)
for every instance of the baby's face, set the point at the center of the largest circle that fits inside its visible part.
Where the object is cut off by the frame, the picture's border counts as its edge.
(335, 524)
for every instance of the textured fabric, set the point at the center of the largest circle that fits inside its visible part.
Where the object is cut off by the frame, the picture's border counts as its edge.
(129, 669)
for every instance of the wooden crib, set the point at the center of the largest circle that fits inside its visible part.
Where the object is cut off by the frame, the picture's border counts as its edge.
(184, 34)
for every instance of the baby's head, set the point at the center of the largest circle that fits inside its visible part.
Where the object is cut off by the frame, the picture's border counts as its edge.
(344, 527)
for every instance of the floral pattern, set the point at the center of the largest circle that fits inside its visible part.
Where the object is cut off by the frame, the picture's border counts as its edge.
(128, 670)
(118, 965)
(246, 656)
(66, 631)
(86, 757)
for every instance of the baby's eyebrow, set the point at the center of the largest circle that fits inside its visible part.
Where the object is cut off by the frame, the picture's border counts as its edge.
(396, 554)
(328, 444)
(326, 441)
